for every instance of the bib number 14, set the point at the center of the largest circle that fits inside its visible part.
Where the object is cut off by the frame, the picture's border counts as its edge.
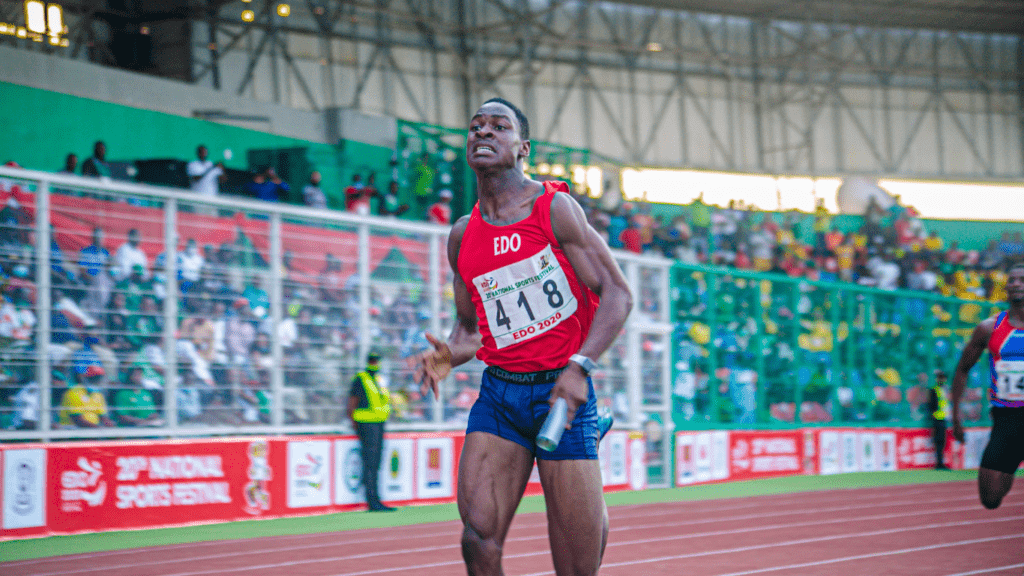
(1010, 379)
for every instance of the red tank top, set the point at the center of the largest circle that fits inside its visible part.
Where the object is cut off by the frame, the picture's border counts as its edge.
(532, 310)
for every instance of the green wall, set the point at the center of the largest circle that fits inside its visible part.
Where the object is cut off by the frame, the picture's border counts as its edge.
(42, 127)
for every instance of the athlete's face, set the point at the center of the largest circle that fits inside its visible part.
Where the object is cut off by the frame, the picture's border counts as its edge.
(1015, 286)
(494, 140)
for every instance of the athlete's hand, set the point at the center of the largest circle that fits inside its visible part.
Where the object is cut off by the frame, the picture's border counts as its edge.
(571, 385)
(958, 430)
(432, 366)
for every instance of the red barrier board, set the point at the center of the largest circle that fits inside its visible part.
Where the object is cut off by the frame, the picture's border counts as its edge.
(98, 486)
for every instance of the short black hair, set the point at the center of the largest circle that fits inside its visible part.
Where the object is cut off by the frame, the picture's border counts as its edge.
(1015, 265)
(524, 123)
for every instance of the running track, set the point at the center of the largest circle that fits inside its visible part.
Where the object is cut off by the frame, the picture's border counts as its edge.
(933, 529)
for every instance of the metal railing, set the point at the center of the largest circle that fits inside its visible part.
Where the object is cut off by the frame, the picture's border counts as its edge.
(766, 350)
(244, 317)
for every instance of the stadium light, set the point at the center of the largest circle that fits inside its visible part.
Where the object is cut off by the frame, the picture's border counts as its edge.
(55, 20)
(595, 182)
(35, 16)
(248, 15)
(653, 47)
(283, 10)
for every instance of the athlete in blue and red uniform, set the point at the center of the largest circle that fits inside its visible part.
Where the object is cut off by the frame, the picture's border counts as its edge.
(1003, 337)
(538, 295)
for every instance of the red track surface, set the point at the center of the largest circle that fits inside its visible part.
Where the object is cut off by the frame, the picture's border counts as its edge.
(934, 529)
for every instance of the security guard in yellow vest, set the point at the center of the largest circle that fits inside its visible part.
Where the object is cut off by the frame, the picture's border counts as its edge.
(369, 406)
(938, 409)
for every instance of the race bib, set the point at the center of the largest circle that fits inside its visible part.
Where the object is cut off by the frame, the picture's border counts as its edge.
(1010, 379)
(525, 299)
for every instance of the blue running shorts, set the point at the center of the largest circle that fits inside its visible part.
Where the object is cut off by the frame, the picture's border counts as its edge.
(514, 405)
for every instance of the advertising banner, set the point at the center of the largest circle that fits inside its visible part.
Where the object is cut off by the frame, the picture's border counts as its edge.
(130, 485)
(914, 449)
(885, 446)
(765, 454)
(348, 472)
(309, 473)
(975, 441)
(637, 463)
(24, 489)
(686, 460)
(434, 468)
(867, 451)
(850, 452)
(829, 452)
(396, 470)
(701, 457)
(612, 452)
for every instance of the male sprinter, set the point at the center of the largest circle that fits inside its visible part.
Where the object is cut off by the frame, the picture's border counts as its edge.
(1003, 336)
(528, 274)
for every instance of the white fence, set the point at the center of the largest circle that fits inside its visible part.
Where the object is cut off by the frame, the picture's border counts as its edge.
(247, 316)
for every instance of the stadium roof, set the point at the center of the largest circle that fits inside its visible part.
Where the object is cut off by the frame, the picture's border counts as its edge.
(993, 16)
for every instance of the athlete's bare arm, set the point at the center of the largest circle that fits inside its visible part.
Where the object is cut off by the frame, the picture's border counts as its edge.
(594, 265)
(432, 366)
(968, 358)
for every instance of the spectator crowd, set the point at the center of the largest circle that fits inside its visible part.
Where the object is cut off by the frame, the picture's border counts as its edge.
(107, 330)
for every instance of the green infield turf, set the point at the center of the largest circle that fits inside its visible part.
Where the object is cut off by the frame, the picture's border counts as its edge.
(77, 544)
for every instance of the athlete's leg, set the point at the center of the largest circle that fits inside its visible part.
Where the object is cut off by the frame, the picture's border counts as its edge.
(1002, 456)
(993, 485)
(493, 473)
(577, 516)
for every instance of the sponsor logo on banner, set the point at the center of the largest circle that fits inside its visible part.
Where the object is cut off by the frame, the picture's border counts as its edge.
(850, 462)
(702, 446)
(309, 473)
(719, 455)
(755, 454)
(974, 445)
(740, 456)
(396, 475)
(24, 488)
(617, 472)
(256, 493)
(915, 449)
(637, 465)
(810, 449)
(83, 486)
(686, 462)
(867, 452)
(829, 455)
(433, 472)
(348, 472)
(886, 445)
(435, 460)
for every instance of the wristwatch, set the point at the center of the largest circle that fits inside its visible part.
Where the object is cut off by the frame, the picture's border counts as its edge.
(585, 363)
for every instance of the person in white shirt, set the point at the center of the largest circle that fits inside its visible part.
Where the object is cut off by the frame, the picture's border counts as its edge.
(205, 176)
(128, 255)
(190, 266)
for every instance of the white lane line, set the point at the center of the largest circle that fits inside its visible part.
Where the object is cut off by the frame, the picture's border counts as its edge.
(776, 513)
(879, 555)
(543, 536)
(408, 568)
(988, 570)
(678, 507)
(803, 541)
